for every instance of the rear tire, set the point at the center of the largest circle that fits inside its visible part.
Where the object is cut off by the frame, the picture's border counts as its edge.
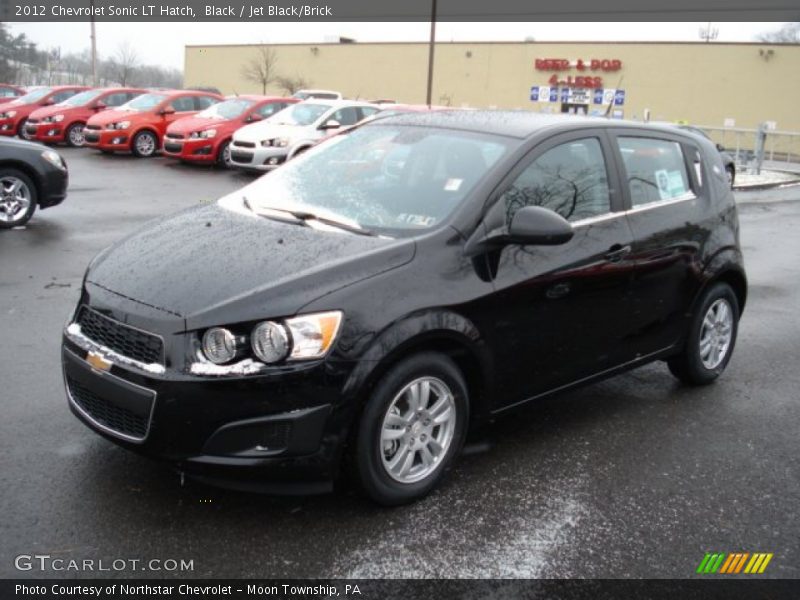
(412, 428)
(711, 338)
(730, 173)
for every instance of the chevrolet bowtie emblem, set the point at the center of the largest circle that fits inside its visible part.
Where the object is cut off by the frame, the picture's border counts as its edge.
(98, 362)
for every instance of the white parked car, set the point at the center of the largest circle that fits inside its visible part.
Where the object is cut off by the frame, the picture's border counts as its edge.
(320, 94)
(267, 144)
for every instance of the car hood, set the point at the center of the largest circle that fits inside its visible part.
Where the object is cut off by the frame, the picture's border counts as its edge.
(216, 264)
(49, 111)
(266, 130)
(190, 124)
(112, 115)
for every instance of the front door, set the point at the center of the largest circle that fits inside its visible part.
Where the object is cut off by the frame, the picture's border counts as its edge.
(559, 308)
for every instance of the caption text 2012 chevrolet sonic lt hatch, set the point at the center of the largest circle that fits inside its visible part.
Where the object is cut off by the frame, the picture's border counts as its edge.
(366, 304)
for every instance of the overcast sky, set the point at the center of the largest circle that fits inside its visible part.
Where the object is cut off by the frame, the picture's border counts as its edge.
(163, 43)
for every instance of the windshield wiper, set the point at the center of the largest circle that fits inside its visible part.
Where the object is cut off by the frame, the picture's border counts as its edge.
(303, 216)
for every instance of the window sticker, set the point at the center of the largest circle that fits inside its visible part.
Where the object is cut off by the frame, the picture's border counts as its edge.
(453, 185)
(416, 220)
(669, 183)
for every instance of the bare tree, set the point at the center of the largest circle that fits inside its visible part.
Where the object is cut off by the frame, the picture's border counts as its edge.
(789, 33)
(124, 63)
(291, 84)
(261, 68)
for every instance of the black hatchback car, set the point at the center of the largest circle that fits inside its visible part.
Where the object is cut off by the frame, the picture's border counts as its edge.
(368, 303)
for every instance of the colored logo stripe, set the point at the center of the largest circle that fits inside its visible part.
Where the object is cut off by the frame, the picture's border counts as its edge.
(734, 563)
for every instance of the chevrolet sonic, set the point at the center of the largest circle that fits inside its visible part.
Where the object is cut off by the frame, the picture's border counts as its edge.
(364, 306)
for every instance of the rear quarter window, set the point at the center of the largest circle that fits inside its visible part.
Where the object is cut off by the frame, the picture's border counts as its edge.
(655, 170)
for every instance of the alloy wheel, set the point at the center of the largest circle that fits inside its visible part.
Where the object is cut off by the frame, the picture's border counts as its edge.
(145, 144)
(15, 199)
(716, 334)
(76, 135)
(417, 430)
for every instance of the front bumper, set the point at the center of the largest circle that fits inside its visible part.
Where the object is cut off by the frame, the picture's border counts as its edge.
(199, 150)
(276, 432)
(107, 139)
(53, 188)
(258, 158)
(9, 126)
(50, 133)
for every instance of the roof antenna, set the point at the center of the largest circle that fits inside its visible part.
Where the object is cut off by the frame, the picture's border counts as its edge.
(611, 104)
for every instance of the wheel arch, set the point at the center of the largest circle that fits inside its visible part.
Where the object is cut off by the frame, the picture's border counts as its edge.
(459, 341)
(726, 266)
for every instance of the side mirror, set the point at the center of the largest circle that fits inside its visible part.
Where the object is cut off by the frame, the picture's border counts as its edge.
(99, 105)
(538, 226)
(254, 117)
(167, 111)
(720, 148)
(330, 124)
(530, 226)
(48, 102)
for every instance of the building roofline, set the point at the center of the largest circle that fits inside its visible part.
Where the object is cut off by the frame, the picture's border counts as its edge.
(498, 42)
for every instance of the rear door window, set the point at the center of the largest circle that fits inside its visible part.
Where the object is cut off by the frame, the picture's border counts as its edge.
(270, 109)
(345, 116)
(116, 99)
(655, 170)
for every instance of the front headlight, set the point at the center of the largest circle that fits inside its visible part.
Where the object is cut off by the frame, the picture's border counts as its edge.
(275, 142)
(54, 158)
(219, 345)
(313, 335)
(56, 118)
(123, 124)
(11, 113)
(270, 342)
(208, 134)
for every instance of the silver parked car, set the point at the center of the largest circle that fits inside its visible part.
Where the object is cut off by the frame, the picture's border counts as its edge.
(267, 144)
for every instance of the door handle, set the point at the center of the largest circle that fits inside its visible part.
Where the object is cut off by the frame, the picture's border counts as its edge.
(617, 252)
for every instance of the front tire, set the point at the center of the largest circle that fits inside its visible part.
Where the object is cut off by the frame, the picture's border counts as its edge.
(74, 135)
(18, 198)
(144, 144)
(21, 131)
(412, 428)
(712, 336)
(224, 156)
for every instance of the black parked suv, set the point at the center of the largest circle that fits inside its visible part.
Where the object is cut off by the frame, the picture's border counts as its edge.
(31, 176)
(369, 302)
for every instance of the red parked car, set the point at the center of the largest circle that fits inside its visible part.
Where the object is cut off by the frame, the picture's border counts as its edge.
(64, 122)
(14, 114)
(139, 125)
(206, 136)
(10, 92)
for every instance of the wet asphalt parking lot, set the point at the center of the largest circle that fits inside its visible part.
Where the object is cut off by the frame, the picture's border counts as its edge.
(632, 477)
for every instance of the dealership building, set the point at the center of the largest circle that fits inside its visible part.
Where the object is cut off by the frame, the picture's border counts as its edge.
(731, 85)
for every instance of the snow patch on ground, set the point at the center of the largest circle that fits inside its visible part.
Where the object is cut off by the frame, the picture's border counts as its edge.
(419, 545)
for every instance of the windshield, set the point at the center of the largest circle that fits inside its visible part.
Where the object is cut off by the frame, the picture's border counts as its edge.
(300, 114)
(33, 96)
(144, 102)
(229, 109)
(384, 178)
(82, 98)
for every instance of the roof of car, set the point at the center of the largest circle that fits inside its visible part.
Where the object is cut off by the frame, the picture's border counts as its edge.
(336, 103)
(509, 123)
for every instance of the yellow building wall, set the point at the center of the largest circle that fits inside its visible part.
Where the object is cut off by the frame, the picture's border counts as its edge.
(696, 82)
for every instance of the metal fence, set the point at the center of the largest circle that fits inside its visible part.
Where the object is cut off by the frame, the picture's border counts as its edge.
(781, 148)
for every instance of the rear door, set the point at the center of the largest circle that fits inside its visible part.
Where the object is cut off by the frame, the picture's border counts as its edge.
(560, 310)
(665, 195)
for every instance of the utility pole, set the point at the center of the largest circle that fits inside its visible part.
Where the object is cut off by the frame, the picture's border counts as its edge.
(431, 46)
(94, 45)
